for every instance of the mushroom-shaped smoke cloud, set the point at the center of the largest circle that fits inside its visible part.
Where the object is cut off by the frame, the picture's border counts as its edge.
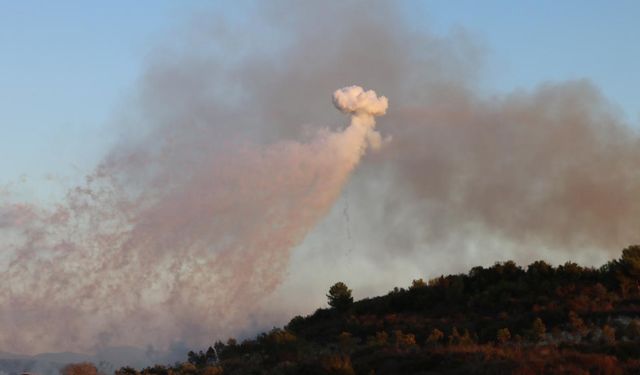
(363, 107)
(354, 99)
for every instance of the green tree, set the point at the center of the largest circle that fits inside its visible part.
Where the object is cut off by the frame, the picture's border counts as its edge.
(540, 268)
(570, 271)
(211, 355)
(631, 261)
(197, 358)
(628, 270)
(340, 297)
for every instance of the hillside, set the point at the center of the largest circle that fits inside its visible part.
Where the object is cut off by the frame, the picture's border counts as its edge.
(503, 319)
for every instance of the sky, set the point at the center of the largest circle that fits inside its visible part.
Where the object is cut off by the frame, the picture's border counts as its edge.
(530, 42)
(67, 66)
(224, 163)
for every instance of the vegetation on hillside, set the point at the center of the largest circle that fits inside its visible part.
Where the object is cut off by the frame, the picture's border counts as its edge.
(502, 319)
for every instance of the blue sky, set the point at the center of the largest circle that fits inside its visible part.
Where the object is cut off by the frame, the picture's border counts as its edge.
(67, 66)
(529, 42)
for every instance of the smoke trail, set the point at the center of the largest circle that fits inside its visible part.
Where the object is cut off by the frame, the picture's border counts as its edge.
(183, 260)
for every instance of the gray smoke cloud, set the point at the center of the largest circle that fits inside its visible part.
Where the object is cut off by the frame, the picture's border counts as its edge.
(226, 164)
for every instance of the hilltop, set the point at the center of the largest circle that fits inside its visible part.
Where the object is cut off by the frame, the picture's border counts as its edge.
(502, 319)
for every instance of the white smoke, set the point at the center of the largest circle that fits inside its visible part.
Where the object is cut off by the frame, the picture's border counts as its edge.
(355, 100)
(363, 106)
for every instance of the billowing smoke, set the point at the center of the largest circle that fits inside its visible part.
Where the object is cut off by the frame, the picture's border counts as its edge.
(180, 258)
(363, 106)
(226, 164)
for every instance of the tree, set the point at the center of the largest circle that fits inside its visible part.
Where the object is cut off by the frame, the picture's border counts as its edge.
(340, 297)
(570, 271)
(608, 334)
(418, 284)
(211, 355)
(633, 329)
(156, 370)
(454, 337)
(187, 368)
(380, 339)
(628, 270)
(631, 261)
(197, 358)
(577, 324)
(466, 339)
(346, 341)
(338, 364)
(503, 335)
(435, 337)
(212, 370)
(540, 268)
(127, 371)
(538, 329)
(84, 368)
(404, 340)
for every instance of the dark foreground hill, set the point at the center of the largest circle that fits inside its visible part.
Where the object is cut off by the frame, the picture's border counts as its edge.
(498, 320)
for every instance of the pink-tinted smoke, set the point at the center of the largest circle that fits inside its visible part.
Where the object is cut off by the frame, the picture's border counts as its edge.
(180, 258)
(223, 167)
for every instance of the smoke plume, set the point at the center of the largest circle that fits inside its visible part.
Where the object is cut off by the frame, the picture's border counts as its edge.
(180, 258)
(363, 106)
(226, 165)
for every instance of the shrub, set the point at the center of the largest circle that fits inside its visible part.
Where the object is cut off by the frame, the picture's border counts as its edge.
(608, 334)
(338, 364)
(503, 336)
(538, 329)
(404, 340)
(435, 337)
(84, 368)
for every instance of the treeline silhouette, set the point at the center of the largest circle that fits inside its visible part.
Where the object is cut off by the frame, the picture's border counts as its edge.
(502, 319)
